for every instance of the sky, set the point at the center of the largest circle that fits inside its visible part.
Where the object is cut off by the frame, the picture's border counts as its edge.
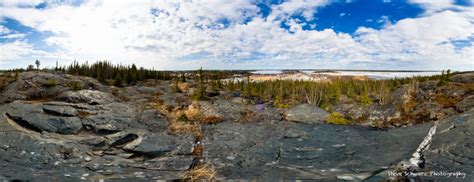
(240, 34)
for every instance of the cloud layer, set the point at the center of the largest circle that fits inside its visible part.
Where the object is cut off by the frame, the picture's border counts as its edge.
(230, 34)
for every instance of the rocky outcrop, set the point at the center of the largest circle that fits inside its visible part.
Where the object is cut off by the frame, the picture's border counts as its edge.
(45, 86)
(430, 112)
(463, 78)
(306, 113)
(276, 150)
(161, 144)
(465, 104)
(32, 116)
(93, 135)
(89, 138)
(452, 148)
(91, 97)
(204, 112)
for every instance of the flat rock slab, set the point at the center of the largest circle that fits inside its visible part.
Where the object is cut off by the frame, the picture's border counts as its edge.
(92, 97)
(452, 148)
(32, 116)
(160, 144)
(284, 150)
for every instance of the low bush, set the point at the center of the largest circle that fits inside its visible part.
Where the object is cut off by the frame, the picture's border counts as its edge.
(446, 101)
(50, 83)
(337, 118)
(182, 118)
(75, 86)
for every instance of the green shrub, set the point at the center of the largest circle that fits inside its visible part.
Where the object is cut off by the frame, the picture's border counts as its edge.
(182, 118)
(50, 83)
(337, 118)
(365, 100)
(118, 82)
(75, 86)
(278, 103)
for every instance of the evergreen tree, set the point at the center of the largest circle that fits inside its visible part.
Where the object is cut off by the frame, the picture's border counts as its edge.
(118, 82)
(200, 93)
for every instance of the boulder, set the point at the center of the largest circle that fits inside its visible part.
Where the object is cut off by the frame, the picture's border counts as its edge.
(463, 78)
(65, 111)
(348, 107)
(465, 104)
(306, 113)
(428, 111)
(385, 112)
(31, 116)
(91, 97)
(240, 100)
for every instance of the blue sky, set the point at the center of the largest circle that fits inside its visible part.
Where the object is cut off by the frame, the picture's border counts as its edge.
(319, 34)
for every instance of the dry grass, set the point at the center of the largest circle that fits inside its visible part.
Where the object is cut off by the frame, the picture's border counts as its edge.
(211, 120)
(201, 172)
(184, 87)
(83, 114)
(195, 113)
(247, 116)
(446, 101)
(4, 81)
(470, 87)
(151, 83)
(184, 128)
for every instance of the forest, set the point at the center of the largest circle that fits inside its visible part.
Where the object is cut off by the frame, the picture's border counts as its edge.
(283, 93)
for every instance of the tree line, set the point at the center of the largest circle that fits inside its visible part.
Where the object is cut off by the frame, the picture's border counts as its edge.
(117, 74)
(284, 93)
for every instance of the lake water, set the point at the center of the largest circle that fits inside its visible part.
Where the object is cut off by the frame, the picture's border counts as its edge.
(377, 75)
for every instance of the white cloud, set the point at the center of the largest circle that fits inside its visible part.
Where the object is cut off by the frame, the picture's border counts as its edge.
(305, 7)
(17, 50)
(13, 36)
(432, 6)
(20, 3)
(230, 34)
(421, 40)
(4, 30)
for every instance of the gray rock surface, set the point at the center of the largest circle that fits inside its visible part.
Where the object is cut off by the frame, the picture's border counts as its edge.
(274, 150)
(463, 78)
(92, 97)
(84, 136)
(465, 104)
(306, 113)
(33, 85)
(161, 144)
(452, 148)
(33, 117)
